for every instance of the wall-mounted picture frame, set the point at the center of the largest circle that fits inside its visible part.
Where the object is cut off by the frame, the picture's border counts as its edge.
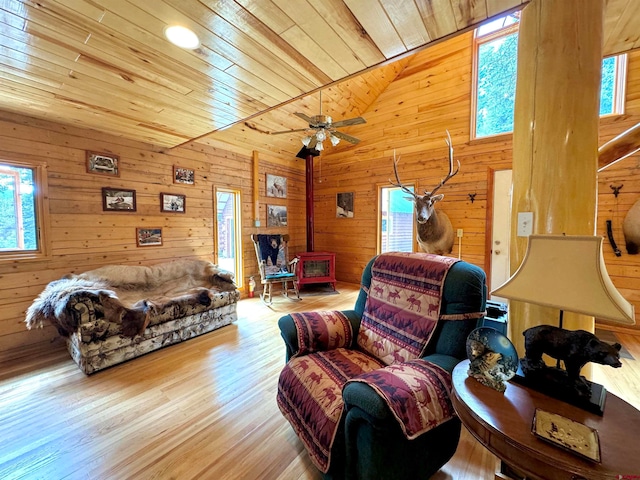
(103, 163)
(276, 216)
(183, 175)
(173, 203)
(344, 205)
(276, 186)
(149, 237)
(118, 200)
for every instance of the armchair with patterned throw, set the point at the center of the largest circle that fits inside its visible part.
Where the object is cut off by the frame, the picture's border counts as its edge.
(274, 265)
(367, 390)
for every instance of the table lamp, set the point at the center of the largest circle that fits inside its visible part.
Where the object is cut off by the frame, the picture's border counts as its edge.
(566, 272)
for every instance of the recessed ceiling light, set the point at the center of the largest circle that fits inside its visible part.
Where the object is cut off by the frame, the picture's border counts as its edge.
(182, 37)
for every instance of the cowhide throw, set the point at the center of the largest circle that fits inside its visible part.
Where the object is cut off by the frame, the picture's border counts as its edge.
(129, 295)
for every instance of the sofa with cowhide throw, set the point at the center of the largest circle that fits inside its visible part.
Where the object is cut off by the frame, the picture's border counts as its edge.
(367, 390)
(119, 312)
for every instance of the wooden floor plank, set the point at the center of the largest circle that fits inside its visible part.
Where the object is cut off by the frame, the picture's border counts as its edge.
(202, 409)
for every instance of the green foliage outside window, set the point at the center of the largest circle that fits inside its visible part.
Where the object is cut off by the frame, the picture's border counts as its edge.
(496, 88)
(608, 91)
(497, 68)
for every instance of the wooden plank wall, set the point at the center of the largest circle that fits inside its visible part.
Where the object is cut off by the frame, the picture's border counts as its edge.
(83, 237)
(431, 95)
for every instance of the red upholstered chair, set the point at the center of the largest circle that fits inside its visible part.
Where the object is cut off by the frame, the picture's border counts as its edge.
(367, 390)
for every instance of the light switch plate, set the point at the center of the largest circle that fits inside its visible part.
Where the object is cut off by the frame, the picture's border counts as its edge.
(525, 224)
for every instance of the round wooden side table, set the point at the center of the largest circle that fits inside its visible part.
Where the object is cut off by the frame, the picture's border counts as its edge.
(502, 422)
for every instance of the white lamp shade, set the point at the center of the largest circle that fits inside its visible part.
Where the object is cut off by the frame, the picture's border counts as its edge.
(568, 272)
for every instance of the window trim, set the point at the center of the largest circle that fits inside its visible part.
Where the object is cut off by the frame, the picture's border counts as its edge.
(41, 209)
(237, 234)
(620, 87)
(477, 41)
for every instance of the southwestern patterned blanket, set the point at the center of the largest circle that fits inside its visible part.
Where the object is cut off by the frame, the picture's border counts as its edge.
(400, 316)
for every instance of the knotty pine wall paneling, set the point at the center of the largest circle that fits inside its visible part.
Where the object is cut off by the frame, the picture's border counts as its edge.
(83, 237)
(432, 95)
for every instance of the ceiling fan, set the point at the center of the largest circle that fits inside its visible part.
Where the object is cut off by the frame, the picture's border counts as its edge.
(325, 128)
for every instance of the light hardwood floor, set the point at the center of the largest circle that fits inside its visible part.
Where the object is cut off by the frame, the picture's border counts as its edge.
(203, 409)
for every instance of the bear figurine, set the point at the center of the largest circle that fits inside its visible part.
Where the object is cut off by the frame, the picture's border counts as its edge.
(575, 348)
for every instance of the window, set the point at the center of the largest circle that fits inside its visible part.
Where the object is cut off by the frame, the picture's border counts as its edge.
(495, 69)
(228, 232)
(395, 225)
(22, 188)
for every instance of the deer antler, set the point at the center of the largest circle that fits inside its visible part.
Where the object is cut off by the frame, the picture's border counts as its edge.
(399, 184)
(451, 172)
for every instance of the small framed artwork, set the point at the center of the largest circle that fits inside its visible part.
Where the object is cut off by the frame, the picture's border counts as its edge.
(149, 237)
(344, 205)
(118, 200)
(171, 202)
(276, 186)
(184, 175)
(276, 216)
(103, 164)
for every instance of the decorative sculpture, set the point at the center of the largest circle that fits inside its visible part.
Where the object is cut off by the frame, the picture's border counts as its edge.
(575, 348)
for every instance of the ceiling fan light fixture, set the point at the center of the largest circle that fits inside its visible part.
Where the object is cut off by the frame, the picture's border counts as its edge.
(334, 140)
(321, 135)
(306, 140)
(319, 147)
(182, 37)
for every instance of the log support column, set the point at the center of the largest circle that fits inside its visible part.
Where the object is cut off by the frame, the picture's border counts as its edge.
(555, 138)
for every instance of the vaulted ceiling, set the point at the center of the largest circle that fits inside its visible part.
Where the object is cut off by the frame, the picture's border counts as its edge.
(105, 64)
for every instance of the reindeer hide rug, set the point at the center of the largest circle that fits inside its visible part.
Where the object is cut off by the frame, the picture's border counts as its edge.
(129, 295)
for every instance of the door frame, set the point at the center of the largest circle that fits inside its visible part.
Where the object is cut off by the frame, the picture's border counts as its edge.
(239, 261)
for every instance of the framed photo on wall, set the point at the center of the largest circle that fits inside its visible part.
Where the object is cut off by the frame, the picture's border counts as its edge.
(118, 200)
(344, 205)
(174, 203)
(276, 186)
(276, 216)
(184, 175)
(103, 163)
(149, 237)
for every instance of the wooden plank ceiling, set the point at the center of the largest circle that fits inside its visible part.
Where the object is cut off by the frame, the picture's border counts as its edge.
(105, 64)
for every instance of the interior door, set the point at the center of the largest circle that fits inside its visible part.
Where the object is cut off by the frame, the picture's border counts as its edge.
(501, 228)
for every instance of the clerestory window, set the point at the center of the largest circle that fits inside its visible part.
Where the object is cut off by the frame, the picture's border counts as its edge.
(494, 73)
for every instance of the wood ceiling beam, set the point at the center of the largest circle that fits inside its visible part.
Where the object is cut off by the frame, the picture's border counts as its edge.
(625, 144)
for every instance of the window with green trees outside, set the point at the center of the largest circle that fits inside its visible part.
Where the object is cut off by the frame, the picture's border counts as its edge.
(495, 69)
(18, 209)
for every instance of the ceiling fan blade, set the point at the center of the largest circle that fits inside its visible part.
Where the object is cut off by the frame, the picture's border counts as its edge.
(312, 143)
(349, 121)
(304, 117)
(289, 131)
(346, 137)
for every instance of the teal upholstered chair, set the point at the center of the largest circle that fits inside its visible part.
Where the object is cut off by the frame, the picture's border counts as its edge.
(369, 443)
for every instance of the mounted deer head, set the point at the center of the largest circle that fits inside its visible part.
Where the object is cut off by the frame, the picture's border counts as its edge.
(435, 232)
